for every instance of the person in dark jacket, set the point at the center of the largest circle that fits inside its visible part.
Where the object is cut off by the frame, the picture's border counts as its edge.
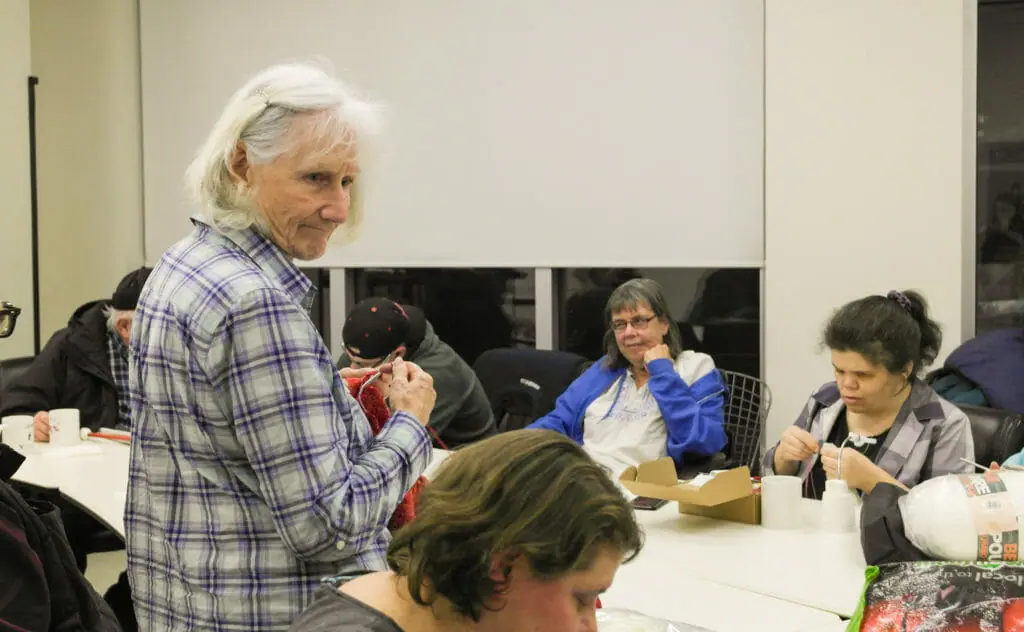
(83, 366)
(40, 588)
(378, 329)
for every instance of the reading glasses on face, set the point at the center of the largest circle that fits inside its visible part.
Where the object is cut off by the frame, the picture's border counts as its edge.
(637, 322)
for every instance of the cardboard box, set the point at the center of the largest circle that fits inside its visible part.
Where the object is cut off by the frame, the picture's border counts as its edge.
(726, 495)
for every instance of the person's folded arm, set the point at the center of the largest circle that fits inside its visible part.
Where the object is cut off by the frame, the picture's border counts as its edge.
(694, 413)
(293, 421)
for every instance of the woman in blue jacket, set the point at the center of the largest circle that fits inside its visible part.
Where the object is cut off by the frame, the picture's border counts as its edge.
(647, 397)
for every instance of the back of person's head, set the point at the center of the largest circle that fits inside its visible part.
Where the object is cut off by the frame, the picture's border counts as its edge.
(637, 294)
(260, 118)
(126, 295)
(530, 494)
(120, 311)
(893, 331)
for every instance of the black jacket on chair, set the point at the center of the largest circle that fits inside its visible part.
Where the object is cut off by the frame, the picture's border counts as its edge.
(72, 371)
(40, 585)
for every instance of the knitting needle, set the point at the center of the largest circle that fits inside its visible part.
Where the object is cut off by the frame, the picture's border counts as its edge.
(389, 359)
(1012, 468)
(977, 465)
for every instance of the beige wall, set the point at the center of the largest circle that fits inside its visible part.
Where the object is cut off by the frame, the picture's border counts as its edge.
(869, 171)
(86, 55)
(16, 205)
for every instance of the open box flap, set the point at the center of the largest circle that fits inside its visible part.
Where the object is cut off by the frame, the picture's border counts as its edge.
(657, 479)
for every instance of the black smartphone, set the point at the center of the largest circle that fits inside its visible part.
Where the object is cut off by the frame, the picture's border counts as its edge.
(648, 504)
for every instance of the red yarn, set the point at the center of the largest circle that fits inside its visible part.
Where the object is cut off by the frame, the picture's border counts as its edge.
(377, 412)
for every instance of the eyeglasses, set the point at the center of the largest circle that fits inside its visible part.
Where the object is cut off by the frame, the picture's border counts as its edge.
(8, 318)
(638, 323)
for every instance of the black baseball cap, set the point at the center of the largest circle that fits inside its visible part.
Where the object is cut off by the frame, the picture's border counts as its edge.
(377, 326)
(126, 296)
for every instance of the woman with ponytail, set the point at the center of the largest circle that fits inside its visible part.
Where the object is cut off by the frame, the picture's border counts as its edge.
(877, 422)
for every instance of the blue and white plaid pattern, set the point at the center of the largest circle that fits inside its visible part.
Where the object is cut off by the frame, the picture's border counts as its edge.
(119, 371)
(253, 474)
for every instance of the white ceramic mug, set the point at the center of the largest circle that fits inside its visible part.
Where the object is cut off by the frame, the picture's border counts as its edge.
(65, 426)
(781, 499)
(18, 430)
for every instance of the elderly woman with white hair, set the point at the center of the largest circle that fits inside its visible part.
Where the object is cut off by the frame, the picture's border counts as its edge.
(253, 473)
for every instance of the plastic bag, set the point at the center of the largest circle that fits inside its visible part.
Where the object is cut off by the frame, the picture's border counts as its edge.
(618, 620)
(942, 596)
(968, 517)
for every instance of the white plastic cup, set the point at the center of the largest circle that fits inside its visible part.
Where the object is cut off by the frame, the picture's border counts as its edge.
(780, 502)
(18, 430)
(839, 507)
(65, 426)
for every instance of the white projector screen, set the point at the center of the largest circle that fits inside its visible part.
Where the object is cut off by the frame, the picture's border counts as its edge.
(521, 133)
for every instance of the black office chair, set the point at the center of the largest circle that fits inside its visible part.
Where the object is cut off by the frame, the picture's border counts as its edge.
(9, 369)
(523, 384)
(998, 434)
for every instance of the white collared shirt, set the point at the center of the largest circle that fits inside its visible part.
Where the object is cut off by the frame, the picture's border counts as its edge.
(630, 433)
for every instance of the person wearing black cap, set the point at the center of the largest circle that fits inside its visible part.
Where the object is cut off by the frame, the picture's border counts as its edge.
(83, 366)
(378, 329)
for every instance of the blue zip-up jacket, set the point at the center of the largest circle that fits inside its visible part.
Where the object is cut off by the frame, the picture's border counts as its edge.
(690, 394)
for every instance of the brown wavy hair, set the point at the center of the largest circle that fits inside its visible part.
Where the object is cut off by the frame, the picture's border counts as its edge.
(533, 493)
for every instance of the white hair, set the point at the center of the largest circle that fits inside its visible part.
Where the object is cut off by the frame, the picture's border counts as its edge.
(115, 316)
(259, 117)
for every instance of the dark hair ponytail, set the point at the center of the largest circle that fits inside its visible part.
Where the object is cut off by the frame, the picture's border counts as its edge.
(893, 331)
(931, 332)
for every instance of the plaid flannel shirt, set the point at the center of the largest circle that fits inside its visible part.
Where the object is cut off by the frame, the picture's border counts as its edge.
(117, 353)
(253, 474)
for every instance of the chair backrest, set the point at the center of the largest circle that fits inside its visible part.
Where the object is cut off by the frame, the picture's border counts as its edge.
(998, 434)
(523, 384)
(746, 411)
(745, 363)
(9, 369)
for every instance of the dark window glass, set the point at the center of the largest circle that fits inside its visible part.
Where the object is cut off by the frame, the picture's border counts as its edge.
(1000, 202)
(471, 309)
(718, 311)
